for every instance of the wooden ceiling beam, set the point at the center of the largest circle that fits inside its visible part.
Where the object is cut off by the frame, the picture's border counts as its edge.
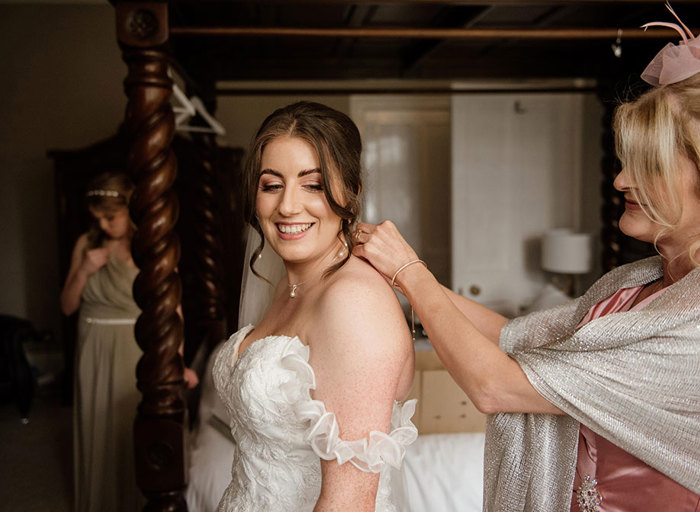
(357, 16)
(428, 33)
(538, 3)
(424, 48)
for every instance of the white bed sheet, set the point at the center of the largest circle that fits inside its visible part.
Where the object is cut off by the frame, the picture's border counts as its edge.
(445, 473)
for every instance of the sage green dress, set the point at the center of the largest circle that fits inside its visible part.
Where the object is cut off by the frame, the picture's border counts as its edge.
(105, 392)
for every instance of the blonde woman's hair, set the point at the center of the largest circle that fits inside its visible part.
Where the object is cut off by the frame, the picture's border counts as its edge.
(653, 134)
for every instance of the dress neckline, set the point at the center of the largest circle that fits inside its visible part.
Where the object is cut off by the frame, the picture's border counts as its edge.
(119, 260)
(245, 331)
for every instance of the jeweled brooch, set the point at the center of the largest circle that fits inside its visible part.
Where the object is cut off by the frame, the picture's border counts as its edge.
(587, 495)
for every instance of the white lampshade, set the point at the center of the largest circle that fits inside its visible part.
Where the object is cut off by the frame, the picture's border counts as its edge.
(566, 252)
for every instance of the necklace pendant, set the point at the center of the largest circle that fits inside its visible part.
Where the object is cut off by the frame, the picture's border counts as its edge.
(293, 292)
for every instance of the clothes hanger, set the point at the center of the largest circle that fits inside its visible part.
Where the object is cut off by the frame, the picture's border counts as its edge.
(185, 108)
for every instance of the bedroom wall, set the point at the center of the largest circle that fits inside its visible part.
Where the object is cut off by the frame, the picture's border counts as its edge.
(518, 169)
(242, 115)
(61, 89)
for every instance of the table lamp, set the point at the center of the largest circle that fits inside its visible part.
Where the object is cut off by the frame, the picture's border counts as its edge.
(567, 254)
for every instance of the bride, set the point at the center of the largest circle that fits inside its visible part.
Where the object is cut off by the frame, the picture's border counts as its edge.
(313, 390)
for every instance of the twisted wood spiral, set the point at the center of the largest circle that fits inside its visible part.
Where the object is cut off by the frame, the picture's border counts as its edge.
(612, 206)
(208, 249)
(155, 245)
(159, 434)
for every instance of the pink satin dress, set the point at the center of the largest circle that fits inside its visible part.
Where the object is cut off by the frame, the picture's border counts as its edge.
(615, 480)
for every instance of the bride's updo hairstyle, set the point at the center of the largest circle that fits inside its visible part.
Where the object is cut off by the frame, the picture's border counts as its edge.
(652, 136)
(336, 140)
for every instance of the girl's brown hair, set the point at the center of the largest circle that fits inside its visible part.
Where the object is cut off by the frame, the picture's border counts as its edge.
(337, 142)
(109, 192)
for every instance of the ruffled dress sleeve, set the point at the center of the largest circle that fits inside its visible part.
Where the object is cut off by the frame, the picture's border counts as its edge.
(370, 454)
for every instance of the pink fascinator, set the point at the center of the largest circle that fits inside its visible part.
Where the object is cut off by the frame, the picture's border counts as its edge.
(674, 62)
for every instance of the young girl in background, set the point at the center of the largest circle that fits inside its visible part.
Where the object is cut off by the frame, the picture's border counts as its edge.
(99, 284)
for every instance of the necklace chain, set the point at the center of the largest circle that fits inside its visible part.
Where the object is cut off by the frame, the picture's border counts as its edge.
(293, 287)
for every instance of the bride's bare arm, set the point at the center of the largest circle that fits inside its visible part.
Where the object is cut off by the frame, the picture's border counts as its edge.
(360, 349)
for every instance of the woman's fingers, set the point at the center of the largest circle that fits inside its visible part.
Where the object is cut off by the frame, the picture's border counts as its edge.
(363, 232)
(382, 246)
(357, 236)
(191, 378)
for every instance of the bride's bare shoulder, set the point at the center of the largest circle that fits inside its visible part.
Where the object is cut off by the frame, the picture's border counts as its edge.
(358, 304)
(359, 280)
(358, 276)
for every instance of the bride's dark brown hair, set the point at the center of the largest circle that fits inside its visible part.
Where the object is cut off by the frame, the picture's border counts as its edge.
(337, 142)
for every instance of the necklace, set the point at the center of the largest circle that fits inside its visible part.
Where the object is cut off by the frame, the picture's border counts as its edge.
(293, 287)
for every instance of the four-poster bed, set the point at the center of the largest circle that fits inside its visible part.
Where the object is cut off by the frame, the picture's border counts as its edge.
(245, 40)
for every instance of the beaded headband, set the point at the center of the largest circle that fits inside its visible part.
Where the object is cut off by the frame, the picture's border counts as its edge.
(102, 193)
(674, 62)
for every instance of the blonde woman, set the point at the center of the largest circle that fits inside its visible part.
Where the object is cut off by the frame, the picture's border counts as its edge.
(595, 405)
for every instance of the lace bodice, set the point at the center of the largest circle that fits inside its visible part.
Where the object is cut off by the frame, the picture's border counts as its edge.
(281, 433)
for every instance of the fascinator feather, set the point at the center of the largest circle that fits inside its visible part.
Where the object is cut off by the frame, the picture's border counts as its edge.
(674, 62)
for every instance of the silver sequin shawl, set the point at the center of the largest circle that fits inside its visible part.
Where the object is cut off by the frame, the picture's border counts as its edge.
(632, 377)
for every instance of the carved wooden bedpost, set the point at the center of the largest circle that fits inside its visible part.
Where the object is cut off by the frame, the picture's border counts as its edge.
(618, 248)
(208, 253)
(612, 206)
(159, 430)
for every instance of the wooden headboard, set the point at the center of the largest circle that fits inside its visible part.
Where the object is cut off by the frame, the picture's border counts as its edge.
(442, 405)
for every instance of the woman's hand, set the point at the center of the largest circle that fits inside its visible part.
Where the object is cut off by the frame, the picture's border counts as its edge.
(191, 379)
(94, 259)
(83, 262)
(383, 247)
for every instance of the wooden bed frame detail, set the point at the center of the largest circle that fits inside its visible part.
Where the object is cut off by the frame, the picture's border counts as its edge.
(160, 427)
(208, 251)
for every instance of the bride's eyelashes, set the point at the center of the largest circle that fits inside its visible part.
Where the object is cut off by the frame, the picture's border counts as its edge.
(272, 187)
(315, 187)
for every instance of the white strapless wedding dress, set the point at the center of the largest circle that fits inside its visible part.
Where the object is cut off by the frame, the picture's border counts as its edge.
(281, 433)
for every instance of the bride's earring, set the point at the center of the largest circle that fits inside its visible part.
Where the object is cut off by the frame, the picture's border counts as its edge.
(343, 251)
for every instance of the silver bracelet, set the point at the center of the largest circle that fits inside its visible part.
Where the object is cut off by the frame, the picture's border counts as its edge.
(393, 279)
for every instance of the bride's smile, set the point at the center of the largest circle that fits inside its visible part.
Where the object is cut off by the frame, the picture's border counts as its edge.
(293, 229)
